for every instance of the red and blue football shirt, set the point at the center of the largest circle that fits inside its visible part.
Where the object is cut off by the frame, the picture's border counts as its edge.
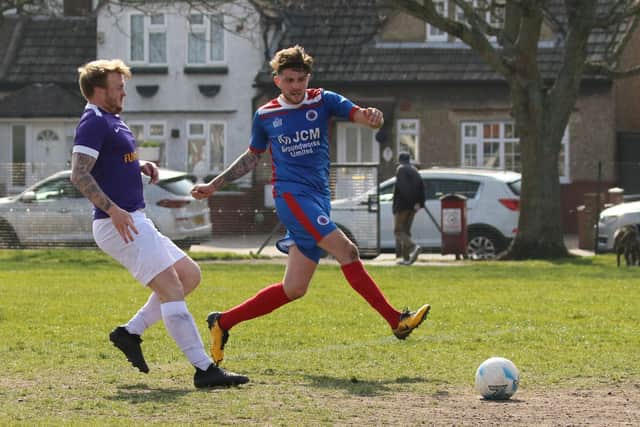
(298, 138)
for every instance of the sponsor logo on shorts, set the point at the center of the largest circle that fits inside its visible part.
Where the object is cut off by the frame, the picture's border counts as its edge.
(322, 220)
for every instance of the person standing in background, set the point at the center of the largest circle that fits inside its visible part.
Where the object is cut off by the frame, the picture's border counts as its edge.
(408, 198)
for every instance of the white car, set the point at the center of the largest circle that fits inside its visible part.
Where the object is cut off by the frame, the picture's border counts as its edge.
(54, 212)
(614, 218)
(492, 207)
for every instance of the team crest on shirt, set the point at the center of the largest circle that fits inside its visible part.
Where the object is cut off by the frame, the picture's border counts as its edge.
(312, 115)
(277, 122)
(322, 220)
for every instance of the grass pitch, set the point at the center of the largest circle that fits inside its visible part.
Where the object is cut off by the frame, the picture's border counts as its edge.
(319, 360)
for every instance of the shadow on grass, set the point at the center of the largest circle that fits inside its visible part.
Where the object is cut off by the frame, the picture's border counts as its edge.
(142, 393)
(362, 387)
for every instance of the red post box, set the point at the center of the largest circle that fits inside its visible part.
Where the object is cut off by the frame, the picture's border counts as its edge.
(453, 220)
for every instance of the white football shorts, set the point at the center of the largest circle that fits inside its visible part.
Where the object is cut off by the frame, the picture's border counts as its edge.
(148, 255)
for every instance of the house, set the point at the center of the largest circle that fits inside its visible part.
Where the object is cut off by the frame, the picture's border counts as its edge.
(189, 103)
(191, 92)
(40, 101)
(442, 103)
(190, 100)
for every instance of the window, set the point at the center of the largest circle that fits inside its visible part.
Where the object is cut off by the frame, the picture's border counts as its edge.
(433, 33)
(19, 156)
(496, 145)
(151, 140)
(408, 137)
(436, 188)
(206, 147)
(57, 189)
(492, 13)
(148, 38)
(356, 144)
(206, 39)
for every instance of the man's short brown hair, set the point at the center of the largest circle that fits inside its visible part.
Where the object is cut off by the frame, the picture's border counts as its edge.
(292, 57)
(94, 74)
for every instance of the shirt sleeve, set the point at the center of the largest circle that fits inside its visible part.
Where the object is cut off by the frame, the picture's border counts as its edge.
(90, 135)
(259, 138)
(339, 105)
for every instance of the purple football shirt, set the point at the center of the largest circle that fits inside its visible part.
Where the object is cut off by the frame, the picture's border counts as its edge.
(106, 138)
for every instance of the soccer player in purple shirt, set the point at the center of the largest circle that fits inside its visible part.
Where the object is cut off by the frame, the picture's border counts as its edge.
(294, 126)
(106, 169)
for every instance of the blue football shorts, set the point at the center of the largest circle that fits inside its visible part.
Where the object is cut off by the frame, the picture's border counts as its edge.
(307, 219)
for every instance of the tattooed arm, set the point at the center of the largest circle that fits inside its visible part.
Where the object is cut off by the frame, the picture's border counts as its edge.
(81, 177)
(243, 165)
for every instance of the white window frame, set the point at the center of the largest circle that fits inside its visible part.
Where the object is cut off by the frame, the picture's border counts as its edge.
(146, 135)
(488, 17)
(438, 37)
(149, 29)
(205, 29)
(415, 124)
(341, 143)
(478, 140)
(206, 136)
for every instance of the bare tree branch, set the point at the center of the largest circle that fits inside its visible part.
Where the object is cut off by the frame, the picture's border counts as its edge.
(601, 68)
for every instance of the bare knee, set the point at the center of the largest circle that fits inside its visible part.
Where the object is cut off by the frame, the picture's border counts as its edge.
(189, 273)
(351, 253)
(295, 293)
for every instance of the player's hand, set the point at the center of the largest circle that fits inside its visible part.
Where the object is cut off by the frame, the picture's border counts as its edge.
(123, 222)
(202, 191)
(149, 169)
(375, 118)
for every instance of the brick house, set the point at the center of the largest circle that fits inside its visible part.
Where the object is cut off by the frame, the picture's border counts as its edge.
(441, 101)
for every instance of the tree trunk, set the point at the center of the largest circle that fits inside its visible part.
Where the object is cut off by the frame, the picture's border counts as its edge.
(540, 233)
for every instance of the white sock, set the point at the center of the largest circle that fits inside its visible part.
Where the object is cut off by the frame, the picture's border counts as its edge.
(148, 314)
(184, 332)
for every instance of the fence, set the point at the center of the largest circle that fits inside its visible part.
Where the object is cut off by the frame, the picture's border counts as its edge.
(54, 213)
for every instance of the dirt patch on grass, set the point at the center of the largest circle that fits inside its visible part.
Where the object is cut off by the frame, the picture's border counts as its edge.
(607, 406)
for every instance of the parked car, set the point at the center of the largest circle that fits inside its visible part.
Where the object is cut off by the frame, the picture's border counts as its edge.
(493, 201)
(54, 212)
(614, 218)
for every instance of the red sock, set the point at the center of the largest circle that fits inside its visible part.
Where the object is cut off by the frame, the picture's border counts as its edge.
(360, 280)
(264, 302)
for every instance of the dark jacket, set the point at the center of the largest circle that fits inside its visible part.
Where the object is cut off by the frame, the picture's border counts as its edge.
(408, 190)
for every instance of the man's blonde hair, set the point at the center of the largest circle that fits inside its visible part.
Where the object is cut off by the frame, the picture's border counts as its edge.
(292, 57)
(94, 74)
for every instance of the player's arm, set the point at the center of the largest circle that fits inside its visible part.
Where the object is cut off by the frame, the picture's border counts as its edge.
(81, 165)
(239, 168)
(371, 117)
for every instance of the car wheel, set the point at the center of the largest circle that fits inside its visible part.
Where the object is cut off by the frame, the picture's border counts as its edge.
(8, 238)
(482, 245)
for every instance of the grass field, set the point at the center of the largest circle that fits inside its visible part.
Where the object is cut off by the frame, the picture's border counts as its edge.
(327, 359)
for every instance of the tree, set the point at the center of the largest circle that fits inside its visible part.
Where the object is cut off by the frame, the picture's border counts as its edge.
(540, 106)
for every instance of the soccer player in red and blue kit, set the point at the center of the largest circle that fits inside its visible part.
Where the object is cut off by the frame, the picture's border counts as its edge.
(294, 127)
(106, 169)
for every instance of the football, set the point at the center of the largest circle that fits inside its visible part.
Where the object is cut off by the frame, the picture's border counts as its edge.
(497, 378)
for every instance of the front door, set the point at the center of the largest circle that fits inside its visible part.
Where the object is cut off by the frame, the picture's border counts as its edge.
(47, 151)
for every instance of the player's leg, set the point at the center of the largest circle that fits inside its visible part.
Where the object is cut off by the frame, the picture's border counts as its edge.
(183, 330)
(189, 275)
(296, 280)
(346, 253)
(128, 337)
